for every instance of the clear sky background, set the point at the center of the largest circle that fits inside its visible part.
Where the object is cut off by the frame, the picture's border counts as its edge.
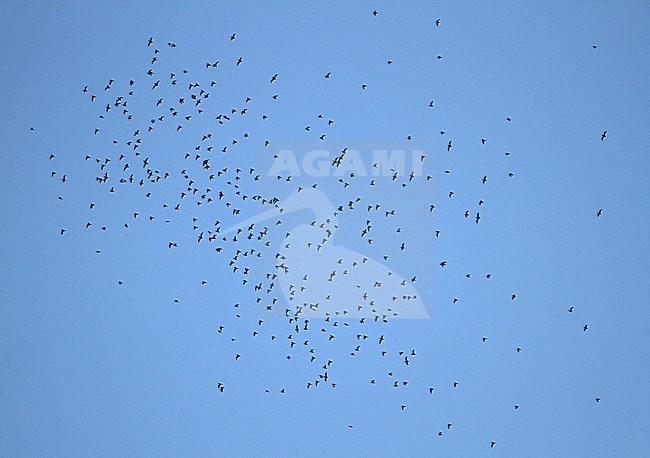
(91, 367)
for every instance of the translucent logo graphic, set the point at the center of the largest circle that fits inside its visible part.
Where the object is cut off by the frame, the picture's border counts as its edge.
(319, 276)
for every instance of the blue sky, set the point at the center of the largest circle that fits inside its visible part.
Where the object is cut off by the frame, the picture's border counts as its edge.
(89, 366)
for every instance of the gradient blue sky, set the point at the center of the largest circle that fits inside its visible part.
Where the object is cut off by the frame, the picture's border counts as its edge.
(91, 368)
